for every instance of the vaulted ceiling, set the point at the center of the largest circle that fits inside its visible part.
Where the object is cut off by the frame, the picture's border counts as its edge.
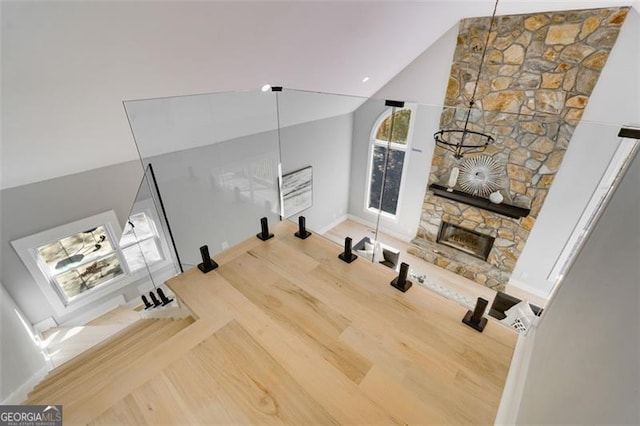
(68, 65)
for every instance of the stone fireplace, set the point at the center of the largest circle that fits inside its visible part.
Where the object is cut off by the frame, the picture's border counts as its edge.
(538, 74)
(467, 241)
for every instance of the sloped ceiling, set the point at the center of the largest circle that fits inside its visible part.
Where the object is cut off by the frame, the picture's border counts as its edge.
(182, 122)
(67, 66)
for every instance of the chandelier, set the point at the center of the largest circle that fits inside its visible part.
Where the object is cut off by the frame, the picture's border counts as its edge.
(464, 141)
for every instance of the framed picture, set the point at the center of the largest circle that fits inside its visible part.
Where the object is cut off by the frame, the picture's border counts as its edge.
(296, 191)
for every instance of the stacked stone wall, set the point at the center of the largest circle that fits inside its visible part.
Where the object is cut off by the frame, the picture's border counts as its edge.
(538, 73)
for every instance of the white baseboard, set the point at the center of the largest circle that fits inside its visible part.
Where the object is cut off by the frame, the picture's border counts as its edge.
(528, 288)
(19, 395)
(514, 386)
(361, 221)
(170, 311)
(145, 288)
(45, 325)
(94, 313)
(333, 224)
(397, 235)
(134, 303)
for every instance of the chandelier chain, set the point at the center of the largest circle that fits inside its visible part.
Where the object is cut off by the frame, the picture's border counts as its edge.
(484, 52)
(446, 138)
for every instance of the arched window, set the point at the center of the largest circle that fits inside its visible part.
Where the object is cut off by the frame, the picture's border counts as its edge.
(388, 146)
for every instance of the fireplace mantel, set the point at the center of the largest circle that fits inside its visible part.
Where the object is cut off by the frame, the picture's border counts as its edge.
(480, 202)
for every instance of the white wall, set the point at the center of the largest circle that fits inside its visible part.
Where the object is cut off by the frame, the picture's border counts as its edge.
(615, 102)
(585, 365)
(29, 209)
(210, 197)
(425, 81)
(183, 122)
(198, 185)
(417, 166)
(326, 146)
(67, 66)
(20, 357)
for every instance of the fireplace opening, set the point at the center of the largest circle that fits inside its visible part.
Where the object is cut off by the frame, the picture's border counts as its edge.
(468, 241)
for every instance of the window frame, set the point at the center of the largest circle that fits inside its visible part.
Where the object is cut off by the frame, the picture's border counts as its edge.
(52, 278)
(167, 264)
(373, 142)
(155, 236)
(27, 250)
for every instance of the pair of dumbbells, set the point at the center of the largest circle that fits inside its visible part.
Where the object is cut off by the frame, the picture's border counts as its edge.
(164, 300)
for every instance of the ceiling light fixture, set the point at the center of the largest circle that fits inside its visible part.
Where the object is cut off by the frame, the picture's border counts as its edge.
(266, 88)
(465, 141)
(364, 80)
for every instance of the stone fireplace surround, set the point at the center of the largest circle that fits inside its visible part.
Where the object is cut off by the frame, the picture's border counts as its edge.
(474, 243)
(539, 72)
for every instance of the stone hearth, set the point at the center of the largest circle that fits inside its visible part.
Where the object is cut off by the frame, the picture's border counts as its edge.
(538, 74)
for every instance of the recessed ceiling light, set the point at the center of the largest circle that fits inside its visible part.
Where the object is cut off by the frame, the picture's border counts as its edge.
(266, 87)
(364, 80)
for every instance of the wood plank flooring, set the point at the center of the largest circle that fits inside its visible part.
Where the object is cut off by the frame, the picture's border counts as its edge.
(286, 333)
(65, 343)
(455, 282)
(80, 385)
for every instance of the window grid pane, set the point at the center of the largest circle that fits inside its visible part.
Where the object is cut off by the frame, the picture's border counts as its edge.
(75, 250)
(393, 179)
(146, 252)
(84, 278)
(139, 243)
(142, 229)
(401, 120)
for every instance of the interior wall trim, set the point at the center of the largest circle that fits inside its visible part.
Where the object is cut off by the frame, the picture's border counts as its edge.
(44, 325)
(528, 288)
(516, 380)
(332, 225)
(627, 132)
(382, 228)
(19, 395)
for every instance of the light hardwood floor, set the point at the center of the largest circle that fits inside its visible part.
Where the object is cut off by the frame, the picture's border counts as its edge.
(80, 381)
(65, 343)
(458, 283)
(286, 333)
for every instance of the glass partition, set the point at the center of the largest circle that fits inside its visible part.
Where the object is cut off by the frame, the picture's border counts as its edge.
(146, 241)
(317, 131)
(216, 160)
(497, 219)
